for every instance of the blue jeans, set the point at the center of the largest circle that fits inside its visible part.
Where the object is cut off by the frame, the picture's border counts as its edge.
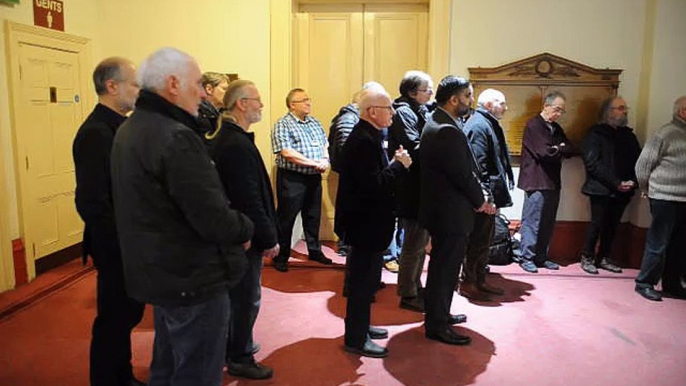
(245, 299)
(665, 243)
(189, 345)
(538, 222)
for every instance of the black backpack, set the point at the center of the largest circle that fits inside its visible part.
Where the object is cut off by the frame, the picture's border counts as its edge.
(501, 251)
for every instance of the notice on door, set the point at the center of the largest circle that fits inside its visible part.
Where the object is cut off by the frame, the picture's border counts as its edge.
(49, 14)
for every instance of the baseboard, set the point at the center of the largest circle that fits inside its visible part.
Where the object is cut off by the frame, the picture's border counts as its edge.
(569, 236)
(43, 264)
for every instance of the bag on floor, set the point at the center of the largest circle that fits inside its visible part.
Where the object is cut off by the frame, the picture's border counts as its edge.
(501, 251)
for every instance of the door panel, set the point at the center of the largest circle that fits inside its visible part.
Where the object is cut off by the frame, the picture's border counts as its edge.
(48, 119)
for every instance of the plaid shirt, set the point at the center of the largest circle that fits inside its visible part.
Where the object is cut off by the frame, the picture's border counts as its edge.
(306, 137)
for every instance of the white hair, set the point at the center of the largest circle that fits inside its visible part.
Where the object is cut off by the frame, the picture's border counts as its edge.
(490, 95)
(371, 95)
(679, 103)
(163, 63)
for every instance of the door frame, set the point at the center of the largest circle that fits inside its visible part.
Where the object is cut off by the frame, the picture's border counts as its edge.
(18, 34)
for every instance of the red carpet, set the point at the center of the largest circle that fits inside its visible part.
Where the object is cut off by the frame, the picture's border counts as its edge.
(561, 328)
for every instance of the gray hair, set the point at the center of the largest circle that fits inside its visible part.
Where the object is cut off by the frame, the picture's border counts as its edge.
(234, 92)
(369, 97)
(490, 95)
(605, 108)
(679, 104)
(411, 82)
(163, 63)
(108, 69)
(551, 96)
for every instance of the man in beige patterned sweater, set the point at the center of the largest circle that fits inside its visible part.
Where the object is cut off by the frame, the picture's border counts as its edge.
(661, 173)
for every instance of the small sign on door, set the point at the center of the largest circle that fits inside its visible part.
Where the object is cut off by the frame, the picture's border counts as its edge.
(49, 14)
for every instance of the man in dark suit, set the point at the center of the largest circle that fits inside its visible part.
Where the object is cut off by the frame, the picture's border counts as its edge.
(247, 186)
(118, 314)
(450, 193)
(366, 209)
(543, 147)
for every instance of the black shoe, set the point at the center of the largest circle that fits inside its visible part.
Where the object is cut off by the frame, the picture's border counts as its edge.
(449, 336)
(547, 264)
(454, 319)
(369, 349)
(377, 333)
(281, 266)
(608, 265)
(136, 382)
(674, 292)
(382, 285)
(528, 266)
(320, 258)
(649, 293)
(252, 370)
(415, 304)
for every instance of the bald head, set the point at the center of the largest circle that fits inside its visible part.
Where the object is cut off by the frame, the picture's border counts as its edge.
(115, 83)
(376, 107)
(680, 107)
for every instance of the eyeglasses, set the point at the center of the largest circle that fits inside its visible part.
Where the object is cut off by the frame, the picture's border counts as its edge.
(620, 108)
(559, 110)
(302, 100)
(427, 90)
(258, 100)
(389, 108)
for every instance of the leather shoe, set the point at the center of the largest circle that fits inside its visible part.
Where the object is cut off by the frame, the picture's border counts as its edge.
(251, 370)
(454, 319)
(136, 382)
(281, 266)
(377, 333)
(485, 287)
(528, 266)
(320, 258)
(547, 264)
(608, 265)
(649, 293)
(449, 336)
(470, 291)
(415, 304)
(368, 349)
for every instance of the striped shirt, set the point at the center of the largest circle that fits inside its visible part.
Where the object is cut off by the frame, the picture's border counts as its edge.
(306, 137)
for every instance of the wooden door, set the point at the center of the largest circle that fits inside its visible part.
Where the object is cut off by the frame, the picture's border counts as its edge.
(48, 115)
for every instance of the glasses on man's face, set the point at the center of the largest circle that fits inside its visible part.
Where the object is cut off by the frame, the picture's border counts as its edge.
(559, 110)
(389, 108)
(426, 90)
(620, 108)
(305, 100)
(258, 100)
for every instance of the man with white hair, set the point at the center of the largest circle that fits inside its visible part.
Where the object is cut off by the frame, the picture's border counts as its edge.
(182, 245)
(248, 188)
(365, 207)
(487, 141)
(661, 174)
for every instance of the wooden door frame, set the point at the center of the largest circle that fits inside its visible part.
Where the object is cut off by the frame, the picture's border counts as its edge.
(17, 34)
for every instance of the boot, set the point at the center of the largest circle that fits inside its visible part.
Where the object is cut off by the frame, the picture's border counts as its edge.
(608, 265)
(588, 264)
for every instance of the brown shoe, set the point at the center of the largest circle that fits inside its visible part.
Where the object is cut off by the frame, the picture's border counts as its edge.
(485, 287)
(470, 291)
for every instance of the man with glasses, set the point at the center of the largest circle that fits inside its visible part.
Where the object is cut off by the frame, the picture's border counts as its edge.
(543, 147)
(300, 145)
(610, 150)
(366, 207)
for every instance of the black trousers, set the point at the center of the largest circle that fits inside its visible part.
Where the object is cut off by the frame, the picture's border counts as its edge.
(110, 351)
(606, 213)
(363, 278)
(476, 256)
(447, 254)
(297, 192)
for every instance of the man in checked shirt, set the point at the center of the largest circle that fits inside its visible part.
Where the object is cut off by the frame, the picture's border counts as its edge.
(300, 145)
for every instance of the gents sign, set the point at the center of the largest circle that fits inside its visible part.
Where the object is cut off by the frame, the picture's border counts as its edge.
(49, 14)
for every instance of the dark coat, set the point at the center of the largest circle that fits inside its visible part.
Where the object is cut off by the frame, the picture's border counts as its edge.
(341, 127)
(91, 151)
(246, 182)
(610, 157)
(450, 190)
(180, 240)
(488, 144)
(541, 163)
(406, 130)
(365, 206)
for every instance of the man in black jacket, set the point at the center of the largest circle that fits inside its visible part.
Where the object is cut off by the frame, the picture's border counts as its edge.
(117, 313)
(487, 142)
(450, 193)
(365, 207)
(610, 151)
(247, 186)
(182, 245)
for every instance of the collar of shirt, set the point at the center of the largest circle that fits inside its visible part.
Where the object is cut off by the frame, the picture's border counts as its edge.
(307, 119)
